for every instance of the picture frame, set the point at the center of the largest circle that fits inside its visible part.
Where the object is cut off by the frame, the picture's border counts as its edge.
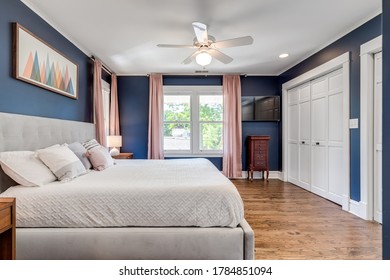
(38, 63)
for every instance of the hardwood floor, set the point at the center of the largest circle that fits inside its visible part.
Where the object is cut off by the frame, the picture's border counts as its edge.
(291, 223)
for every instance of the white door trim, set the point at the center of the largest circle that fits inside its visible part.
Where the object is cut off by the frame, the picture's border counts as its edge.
(341, 61)
(367, 52)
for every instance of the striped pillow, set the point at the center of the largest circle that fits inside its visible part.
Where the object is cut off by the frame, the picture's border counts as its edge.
(91, 144)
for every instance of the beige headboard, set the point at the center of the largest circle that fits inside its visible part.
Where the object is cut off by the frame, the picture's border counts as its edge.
(28, 133)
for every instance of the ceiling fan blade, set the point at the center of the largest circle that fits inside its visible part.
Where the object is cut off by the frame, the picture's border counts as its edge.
(200, 30)
(236, 42)
(220, 56)
(189, 59)
(175, 46)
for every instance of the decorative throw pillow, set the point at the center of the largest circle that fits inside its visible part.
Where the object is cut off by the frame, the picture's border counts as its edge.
(100, 158)
(25, 168)
(62, 162)
(80, 151)
(91, 144)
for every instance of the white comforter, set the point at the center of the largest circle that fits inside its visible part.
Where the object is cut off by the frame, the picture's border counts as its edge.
(186, 192)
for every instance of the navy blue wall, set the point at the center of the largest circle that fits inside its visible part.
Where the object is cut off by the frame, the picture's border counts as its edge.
(262, 86)
(386, 130)
(133, 101)
(192, 80)
(133, 95)
(349, 43)
(23, 98)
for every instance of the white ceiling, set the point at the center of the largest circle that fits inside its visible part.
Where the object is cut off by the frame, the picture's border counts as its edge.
(124, 33)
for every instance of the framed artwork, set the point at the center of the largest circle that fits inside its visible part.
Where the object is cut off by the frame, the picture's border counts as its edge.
(37, 63)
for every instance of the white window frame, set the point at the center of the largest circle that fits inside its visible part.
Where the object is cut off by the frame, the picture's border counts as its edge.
(194, 92)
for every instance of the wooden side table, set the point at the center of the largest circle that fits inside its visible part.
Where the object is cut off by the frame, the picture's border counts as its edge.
(7, 228)
(257, 155)
(124, 156)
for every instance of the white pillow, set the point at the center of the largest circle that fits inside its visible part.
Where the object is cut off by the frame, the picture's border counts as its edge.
(26, 169)
(62, 162)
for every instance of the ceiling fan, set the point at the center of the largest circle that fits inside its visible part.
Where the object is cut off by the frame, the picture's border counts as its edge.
(207, 47)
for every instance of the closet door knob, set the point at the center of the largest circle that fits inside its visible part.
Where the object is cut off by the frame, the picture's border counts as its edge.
(317, 143)
(303, 142)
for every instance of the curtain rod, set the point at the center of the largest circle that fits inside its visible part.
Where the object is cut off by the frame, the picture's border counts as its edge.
(104, 67)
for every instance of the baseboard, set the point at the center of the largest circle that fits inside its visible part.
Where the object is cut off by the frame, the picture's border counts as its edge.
(345, 203)
(358, 208)
(259, 175)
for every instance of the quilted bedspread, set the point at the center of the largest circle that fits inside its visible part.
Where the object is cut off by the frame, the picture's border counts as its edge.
(185, 192)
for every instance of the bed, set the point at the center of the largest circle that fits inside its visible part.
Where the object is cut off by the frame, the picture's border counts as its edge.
(209, 223)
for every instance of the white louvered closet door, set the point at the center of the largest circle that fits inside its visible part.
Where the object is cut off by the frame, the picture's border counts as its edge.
(319, 135)
(304, 136)
(327, 143)
(293, 136)
(315, 136)
(336, 142)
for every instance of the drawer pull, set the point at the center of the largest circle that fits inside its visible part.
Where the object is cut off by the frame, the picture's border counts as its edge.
(317, 143)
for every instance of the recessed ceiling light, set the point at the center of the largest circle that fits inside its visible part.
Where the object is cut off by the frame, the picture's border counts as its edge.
(283, 55)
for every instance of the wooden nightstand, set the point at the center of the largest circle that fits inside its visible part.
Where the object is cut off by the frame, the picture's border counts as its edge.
(7, 228)
(124, 156)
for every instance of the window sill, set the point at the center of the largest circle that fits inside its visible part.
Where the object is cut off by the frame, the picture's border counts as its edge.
(193, 155)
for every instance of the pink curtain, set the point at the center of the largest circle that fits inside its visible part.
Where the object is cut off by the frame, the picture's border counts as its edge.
(155, 145)
(114, 112)
(98, 102)
(232, 141)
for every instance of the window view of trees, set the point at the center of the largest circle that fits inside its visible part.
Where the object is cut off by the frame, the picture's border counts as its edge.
(177, 122)
(210, 118)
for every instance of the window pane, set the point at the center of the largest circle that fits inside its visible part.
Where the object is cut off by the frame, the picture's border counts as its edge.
(177, 136)
(210, 108)
(177, 108)
(211, 136)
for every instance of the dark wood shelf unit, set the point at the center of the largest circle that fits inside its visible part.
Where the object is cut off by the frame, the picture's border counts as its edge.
(257, 155)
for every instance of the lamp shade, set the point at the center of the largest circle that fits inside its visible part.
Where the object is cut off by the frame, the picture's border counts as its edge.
(114, 141)
(203, 58)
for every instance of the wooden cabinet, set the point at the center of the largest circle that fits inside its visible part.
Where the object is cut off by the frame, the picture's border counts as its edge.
(257, 155)
(7, 228)
(124, 156)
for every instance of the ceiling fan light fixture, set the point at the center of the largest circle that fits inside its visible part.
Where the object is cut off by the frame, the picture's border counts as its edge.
(203, 58)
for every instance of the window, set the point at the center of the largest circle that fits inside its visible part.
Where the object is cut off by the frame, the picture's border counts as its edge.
(193, 124)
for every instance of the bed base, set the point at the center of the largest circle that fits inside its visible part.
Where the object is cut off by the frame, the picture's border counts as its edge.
(135, 243)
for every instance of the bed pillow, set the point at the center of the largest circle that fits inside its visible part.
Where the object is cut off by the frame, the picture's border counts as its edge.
(91, 145)
(80, 151)
(100, 158)
(62, 162)
(25, 168)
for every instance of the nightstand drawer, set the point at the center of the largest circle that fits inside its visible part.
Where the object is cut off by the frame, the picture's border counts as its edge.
(5, 218)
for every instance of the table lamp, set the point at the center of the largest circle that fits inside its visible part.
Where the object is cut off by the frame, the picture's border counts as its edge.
(114, 142)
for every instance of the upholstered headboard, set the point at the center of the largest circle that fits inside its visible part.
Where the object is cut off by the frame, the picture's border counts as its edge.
(28, 133)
